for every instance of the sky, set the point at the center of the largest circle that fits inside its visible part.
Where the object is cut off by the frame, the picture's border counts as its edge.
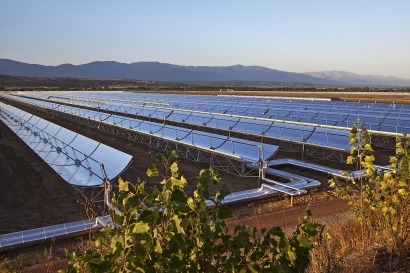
(368, 37)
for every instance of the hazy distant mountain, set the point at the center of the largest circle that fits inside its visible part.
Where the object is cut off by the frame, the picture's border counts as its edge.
(159, 72)
(349, 78)
(155, 71)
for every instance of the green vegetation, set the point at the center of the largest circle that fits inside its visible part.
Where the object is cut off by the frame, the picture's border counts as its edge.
(380, 204)
(380, 201)
(167, 231)
(164, 230)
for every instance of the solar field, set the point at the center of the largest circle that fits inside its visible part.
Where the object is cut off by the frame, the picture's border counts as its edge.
(237, 129)
(311, 123)
(238, 135)
(226, 126)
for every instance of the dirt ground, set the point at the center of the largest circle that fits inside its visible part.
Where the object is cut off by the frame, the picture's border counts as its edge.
(32, 195)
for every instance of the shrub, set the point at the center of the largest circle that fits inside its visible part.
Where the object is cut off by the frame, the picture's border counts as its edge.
(164, 230)
(380, 200)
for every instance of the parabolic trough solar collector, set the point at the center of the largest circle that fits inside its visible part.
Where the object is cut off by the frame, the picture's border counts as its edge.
(74, 157)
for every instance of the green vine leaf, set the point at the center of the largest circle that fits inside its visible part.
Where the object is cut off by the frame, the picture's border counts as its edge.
(152, 171)
(123, 185)
(177, 221)
(368, 147)
(174, 168)
(181, 182)
(141, 227)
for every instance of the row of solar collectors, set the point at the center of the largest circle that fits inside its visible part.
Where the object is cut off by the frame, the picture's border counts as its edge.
(244, 150)
(240, 105)
(346, 120)
(325, 137)
(224, 103)
(176, 99)
(377, 116)
(73, 156)
(219, 104)
(268, 107)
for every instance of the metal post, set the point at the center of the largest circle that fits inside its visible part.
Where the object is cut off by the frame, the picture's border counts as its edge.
(260, 165)
(107, 191)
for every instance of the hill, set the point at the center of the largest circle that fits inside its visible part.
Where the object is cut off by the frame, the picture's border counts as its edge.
(352, 79)
(155, 71)
(163, 72)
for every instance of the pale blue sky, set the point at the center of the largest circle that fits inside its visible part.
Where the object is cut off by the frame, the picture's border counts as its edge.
(360, 36)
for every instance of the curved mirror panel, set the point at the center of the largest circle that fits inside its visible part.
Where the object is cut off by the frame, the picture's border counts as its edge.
(74, 157)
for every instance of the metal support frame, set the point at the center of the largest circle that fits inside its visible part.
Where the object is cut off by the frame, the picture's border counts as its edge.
(382, 141)
(107, 192)
(326, 154)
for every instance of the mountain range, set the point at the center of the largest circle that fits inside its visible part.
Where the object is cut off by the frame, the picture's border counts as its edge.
(155, 71)
(349, 78)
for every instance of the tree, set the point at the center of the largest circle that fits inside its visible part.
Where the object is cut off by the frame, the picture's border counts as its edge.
(164, 230)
